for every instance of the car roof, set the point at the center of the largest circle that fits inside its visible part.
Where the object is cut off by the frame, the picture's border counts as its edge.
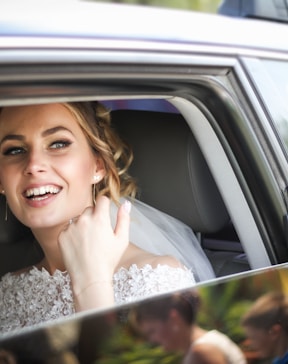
(118, 21)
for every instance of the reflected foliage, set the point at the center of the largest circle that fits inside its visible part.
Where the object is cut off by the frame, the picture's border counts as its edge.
(232, 298)
(111, 337)
(224, 305)
(209, 6)
(122, 348)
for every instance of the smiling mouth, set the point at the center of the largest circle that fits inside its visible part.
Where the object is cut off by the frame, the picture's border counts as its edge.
(40, 193)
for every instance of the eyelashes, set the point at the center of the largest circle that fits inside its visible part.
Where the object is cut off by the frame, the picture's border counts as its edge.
(60, 144)
(13, 151)
(19, 150)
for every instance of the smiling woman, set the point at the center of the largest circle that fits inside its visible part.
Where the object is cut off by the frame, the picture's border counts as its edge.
(60, 167)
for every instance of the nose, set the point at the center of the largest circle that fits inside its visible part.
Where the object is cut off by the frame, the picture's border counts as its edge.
(35, 162)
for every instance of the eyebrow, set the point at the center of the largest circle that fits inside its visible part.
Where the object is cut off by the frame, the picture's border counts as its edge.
(45, 133)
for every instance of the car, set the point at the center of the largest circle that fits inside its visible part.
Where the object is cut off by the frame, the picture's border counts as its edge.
(201, 98)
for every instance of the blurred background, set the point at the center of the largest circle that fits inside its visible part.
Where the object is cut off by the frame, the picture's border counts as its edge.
(209, 6)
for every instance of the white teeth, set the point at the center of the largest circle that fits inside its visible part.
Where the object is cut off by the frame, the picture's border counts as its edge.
(41, 191)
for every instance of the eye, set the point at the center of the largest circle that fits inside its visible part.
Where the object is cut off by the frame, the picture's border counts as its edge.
(60, 144)
(13, 151)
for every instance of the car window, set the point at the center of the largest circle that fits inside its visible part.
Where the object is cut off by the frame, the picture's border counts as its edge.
(271, 80)
(141, 104)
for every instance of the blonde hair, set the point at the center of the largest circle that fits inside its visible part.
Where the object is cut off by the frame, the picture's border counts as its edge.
(95, 122)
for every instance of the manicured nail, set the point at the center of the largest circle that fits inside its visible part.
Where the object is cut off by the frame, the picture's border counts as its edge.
(127, 206)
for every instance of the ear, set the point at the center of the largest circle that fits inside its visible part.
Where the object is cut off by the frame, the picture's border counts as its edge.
(100, 171)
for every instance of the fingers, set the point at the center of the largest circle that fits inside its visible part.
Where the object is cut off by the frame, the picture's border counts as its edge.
(101, 210)
(90, 246)
(101, 213)
(123, 221)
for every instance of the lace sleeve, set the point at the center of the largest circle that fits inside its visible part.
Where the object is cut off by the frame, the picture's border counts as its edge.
(136, 283)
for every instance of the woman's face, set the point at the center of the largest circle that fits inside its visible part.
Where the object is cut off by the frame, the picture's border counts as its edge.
(46, 164)
(160, 333)
(262, 341)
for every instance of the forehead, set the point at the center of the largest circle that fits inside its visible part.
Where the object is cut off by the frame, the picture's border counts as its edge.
(36, 117)
(22, 112)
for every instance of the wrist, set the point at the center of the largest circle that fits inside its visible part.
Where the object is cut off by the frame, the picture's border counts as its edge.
(82, 278)
(96, 294)
(94, 284)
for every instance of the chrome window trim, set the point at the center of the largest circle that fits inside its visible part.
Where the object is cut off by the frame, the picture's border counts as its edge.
(70, 49)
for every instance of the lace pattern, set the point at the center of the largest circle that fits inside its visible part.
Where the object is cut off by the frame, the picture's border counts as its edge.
(36, 296)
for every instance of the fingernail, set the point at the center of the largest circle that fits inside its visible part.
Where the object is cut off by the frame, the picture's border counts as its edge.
(127, 206)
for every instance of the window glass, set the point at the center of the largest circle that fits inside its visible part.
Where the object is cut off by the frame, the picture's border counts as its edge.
(141, 104)
(271, 79)
(278, 72)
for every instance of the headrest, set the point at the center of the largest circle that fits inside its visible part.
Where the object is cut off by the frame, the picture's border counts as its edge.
(172, 172)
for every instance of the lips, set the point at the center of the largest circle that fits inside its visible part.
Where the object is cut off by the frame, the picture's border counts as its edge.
(41, 192)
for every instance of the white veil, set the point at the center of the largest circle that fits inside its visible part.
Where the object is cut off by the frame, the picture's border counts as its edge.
(161, 234)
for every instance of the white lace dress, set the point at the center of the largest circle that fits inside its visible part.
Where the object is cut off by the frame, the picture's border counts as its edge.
(36, 296)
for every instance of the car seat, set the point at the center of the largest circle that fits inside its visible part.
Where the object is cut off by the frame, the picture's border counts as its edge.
(174, 177)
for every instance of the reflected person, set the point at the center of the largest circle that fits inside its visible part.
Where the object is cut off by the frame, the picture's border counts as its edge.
(171, 322)
(266, 326)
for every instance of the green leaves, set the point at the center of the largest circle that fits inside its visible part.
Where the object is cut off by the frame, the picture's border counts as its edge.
(209, 6)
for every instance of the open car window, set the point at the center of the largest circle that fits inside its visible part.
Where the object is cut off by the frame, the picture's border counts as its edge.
(205, 115)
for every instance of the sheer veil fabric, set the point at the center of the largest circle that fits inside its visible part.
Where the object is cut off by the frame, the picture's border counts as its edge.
(161, 234)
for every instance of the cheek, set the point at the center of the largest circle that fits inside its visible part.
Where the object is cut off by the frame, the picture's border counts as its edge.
(152, 331)
(78, 171)
(262, 344)
(166, 337)
(9, 182)
(7, 176)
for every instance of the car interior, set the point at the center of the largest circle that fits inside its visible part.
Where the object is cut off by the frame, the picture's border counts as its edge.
(172, 175)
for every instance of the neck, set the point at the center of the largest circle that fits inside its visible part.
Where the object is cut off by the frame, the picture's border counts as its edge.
(185, 343)
(48, 240)
(196, 333)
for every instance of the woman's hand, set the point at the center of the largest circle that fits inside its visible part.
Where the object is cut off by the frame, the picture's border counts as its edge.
(92, 250)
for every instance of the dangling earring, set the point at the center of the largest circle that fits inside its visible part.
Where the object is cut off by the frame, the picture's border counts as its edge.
(6, 211)
(6, 206)
(94, 193)
(96, 179)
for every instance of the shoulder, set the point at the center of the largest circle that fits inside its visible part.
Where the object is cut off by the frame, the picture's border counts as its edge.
(166, 270)
(167, 260)
(140, 257)
(205, 353)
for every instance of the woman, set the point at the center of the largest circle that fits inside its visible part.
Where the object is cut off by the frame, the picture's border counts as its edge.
(60, 165)
(171, 322)
(266, 326)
